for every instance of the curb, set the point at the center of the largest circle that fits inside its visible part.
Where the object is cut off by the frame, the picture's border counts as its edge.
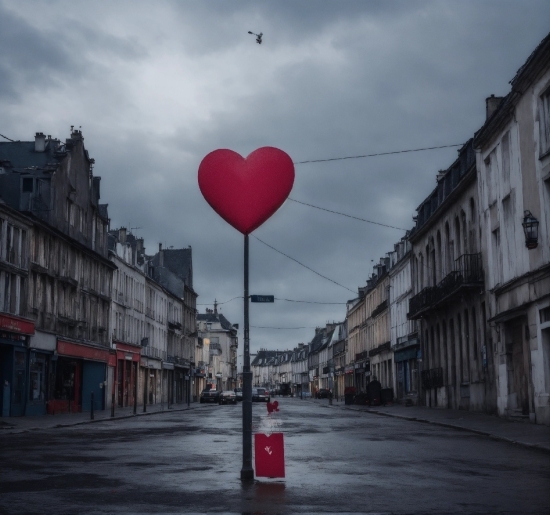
(15, 430)
(531, 446)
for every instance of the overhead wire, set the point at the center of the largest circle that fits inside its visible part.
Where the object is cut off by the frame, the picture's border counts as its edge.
(377, 154)
(305, 266)
(349, 216)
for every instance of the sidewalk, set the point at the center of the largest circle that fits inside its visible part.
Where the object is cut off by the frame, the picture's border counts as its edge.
(529, 435)
(12, 425)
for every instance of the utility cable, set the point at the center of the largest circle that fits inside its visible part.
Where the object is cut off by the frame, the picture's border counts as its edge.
(276, 298)
(377, 154)
(305, 266)
(313, 302)
(349, 216)
(292, 328)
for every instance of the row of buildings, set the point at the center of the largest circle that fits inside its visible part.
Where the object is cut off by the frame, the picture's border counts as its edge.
(457, 315)
(85, 314)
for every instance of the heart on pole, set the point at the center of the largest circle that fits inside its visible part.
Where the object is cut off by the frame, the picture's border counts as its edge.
(245, 192)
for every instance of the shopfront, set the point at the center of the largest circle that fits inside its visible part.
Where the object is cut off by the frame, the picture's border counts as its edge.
(79, 371)
(406, 366)
(127, 362)
(14, 364)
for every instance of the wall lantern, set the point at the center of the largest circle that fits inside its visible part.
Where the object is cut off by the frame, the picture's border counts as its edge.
(531, 230)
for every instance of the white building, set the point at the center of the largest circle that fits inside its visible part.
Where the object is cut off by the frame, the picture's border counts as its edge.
(513, 159)
(403, 332)
(220, 337)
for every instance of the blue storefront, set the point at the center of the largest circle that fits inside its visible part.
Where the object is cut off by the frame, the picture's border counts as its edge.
(15, 333)
(406, 363)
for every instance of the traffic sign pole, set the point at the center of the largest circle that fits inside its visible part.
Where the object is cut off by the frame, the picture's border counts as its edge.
(247, 472)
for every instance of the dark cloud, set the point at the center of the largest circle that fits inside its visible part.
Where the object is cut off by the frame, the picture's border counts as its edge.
(156, 89)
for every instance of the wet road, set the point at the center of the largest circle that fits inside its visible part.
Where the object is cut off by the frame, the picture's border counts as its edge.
(337, 461)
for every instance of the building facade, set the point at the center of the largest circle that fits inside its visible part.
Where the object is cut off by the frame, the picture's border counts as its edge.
(513, 159)
(69, 275)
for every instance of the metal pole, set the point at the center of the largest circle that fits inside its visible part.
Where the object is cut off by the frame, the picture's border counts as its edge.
(92, 406)
(135, 387)
(115, 378)
(247, 472)
(146, 373)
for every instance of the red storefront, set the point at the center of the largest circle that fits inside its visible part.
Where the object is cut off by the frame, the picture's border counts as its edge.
(80, 373)
(126, 373)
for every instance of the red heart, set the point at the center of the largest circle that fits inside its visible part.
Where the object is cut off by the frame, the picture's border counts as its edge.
(246, 192)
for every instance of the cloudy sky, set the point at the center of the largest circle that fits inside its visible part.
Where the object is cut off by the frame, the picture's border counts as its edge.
(157, 85)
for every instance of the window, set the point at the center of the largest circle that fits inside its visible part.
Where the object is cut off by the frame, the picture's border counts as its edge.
(545, 121)
(27, 185)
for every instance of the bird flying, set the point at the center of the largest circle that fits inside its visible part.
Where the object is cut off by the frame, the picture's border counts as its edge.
(258, 37)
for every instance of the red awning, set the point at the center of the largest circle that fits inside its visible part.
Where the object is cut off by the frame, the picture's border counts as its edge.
(76, 350)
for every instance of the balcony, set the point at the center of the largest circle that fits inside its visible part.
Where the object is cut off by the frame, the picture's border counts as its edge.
(379, 309)
(467, 274)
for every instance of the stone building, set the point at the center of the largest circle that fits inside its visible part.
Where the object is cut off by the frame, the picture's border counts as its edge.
(299, 369)
(127, 317)
(448, 285)
(18, 394)
(513, 159)
(69, 274)
(220, 337)
(403, 332)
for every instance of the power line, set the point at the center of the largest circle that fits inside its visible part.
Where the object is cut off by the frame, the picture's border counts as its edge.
(291, 328)
(286, 300)
(349, 216)
(377, 154)
(219, 303)
(313, 302)
(305, 266)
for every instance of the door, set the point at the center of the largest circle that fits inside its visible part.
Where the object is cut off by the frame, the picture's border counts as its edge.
(18, 385)
(93, 378)
(120, 382)
(519, 386)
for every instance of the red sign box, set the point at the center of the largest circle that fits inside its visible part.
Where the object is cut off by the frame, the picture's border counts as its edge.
(269, 455)
(16, 325)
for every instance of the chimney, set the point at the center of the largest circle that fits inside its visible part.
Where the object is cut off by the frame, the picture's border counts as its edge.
(491, 105)
(139, 245)
(39, 142)
(122, 235)
(161, 255)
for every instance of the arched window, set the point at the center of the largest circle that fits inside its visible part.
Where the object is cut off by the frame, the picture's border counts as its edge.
(458, 241)
(449, 250)
(465, 248)
(420, 273)
(438, 257)
(472, 231)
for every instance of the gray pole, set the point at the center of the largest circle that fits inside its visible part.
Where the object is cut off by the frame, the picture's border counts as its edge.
(247, 472)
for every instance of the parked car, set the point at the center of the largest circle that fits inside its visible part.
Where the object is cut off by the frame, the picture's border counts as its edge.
(209, 396)
(239, 394)
(323, 393)
(228, 397)
(260, 395)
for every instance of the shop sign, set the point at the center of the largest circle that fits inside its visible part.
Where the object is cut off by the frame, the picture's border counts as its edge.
(81, 351)
(16, 325)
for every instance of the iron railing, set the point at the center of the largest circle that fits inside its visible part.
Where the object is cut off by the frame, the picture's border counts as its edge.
(467, 272)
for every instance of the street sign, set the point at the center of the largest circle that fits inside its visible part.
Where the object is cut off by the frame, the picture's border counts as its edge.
(262, 298)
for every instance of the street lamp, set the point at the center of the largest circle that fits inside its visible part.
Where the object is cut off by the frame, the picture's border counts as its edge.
(531, 230)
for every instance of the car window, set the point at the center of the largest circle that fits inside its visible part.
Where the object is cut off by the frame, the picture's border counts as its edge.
(261, 391)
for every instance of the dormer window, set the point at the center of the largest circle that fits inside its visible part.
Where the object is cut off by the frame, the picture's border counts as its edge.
(28, 185)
